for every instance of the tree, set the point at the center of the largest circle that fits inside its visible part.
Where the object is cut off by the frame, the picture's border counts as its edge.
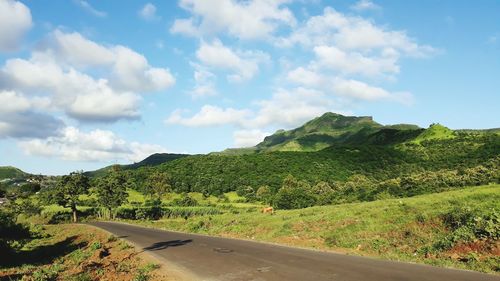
(112, 190)
(264, 194)
(294, 194)
(323, 192)
(67, 191)
(157, 184)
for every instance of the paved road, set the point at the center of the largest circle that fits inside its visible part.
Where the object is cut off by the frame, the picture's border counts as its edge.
(212, 258)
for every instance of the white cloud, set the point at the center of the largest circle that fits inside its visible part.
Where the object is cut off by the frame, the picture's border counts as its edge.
(356, 63)
(289, 108)
(248, 138)
(244, 65)
(333, 28)
(76, 93)
(148, 12)
(13, 102)
(15, 21)
(204, 82)
(346, 88)
(130, 70)
(285, 108)
(87, 7)
(19, 119)
(97, 146)
(304, 77)
(254, 19)
(363, 5)
(186, 27)
(56, 71)
(210, 116)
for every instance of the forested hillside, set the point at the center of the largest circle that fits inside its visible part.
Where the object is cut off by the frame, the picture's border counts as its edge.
(364, 160)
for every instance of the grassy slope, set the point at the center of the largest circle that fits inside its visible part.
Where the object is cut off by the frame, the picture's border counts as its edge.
(396, 229)
(7, 172)
(72, 252)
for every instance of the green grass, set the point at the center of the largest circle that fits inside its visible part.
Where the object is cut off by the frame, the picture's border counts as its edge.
(435, 132)
(397, 229)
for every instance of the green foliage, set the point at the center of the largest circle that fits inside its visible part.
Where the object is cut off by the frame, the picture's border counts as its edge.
(264, 194)
(467, 224)
(10, 231)
(67, 191)
(7, 172)
(157, 184)
(139, 213)
(111, 190)
(185, 201)
(294, 194)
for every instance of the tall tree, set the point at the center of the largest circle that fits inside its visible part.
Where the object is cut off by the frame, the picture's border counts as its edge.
(157, 184)
(67, 191)
(112, 190)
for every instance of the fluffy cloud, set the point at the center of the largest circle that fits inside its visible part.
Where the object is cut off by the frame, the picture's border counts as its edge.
(210, 116)
(363, 5)
(57, 69)
(252, 19)
(346, 88)
(15, 20)
(148, 12)
(356, 63)
(284, 108)
(97, 145)
(333, 28)
(247, 138)
(244, 65)
(291, 107)
(204, 82)
(129, 70)
(19, 118)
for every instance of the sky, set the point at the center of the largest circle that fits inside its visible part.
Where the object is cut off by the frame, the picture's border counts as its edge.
(85, 84)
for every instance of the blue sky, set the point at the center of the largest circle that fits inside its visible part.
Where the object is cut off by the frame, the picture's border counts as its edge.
(84, 84)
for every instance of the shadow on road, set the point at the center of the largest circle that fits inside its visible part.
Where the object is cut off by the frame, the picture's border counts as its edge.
(165, 244)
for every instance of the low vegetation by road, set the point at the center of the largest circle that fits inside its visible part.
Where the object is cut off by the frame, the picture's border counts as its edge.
(74, 253)
(459, 229)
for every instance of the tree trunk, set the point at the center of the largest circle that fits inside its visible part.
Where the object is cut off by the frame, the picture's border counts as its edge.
(75, 218)
(111, 214)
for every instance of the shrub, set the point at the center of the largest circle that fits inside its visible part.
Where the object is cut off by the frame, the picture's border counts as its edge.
(185, 201)
(126, 213)
(468, 224)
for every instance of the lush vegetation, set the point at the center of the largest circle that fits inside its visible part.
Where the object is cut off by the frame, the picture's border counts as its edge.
(400, 170)
(74, 252)
(320, 177)
(457, 228)
(8, 172)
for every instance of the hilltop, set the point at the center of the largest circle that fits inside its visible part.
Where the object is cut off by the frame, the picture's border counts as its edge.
(9, 172)
(335, 129)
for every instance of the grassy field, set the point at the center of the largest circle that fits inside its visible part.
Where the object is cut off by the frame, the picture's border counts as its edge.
(411, 229)
(79, 253)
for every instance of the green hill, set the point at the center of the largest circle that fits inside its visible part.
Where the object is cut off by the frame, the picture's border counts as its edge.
(8, 172)
(321, 132)
(435, 132)
(359, 157)
(152, 160)
(332, 129)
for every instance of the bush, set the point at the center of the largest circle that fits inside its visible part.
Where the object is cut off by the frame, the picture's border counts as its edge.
(126, 213)
(185, 201)
(468, 224)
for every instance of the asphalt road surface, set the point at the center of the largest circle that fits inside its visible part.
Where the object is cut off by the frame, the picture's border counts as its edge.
(213, 258)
